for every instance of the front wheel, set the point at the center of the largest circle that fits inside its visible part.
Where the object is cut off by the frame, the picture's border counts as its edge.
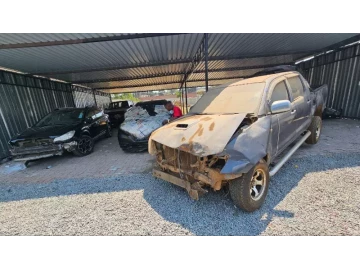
(315, 129)
(249, 191)
(84, 146)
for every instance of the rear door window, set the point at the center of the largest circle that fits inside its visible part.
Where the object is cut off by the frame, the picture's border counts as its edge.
(297, 88)
(280, 92)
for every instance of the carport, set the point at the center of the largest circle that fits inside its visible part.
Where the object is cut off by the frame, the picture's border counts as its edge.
(45, 71)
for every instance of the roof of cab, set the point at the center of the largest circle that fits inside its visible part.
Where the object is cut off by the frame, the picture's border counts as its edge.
(262, 79)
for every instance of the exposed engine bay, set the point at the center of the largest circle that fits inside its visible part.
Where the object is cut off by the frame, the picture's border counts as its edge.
(198, 171)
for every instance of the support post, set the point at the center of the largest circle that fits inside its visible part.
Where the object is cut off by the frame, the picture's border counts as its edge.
(186, 99)
(94, 97)
(206, 62)
(72, 89)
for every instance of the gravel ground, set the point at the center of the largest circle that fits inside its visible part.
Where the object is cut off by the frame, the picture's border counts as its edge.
(315, 193)
(309, 196)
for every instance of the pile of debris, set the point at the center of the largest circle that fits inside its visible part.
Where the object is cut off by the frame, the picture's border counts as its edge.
(140, 124)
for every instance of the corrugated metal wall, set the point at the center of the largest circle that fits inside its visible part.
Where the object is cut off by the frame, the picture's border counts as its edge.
(102, 100)
(24, 100)
(341, 71)
(85, 97)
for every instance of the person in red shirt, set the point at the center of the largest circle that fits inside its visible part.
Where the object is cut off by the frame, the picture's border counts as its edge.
(175, 112)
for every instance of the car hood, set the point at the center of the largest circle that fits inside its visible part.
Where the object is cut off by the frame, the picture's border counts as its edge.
(201, 135)
(44, 132)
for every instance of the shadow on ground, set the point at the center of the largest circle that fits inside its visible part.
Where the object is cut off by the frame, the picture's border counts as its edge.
(213, 214)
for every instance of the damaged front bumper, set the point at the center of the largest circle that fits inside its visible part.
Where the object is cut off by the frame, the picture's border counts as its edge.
(191, 172)
(23, 153)
(129, 142)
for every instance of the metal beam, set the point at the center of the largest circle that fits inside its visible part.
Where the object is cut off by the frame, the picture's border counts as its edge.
(336, 49)
(94, 97)
(159, 75)
(82, 40)
(165, 63)
(206, 63)
(199, 55)
(167, 83)
(211, 58)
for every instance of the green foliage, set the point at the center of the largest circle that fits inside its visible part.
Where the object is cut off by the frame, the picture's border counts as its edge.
(178, 94)
(125, 96)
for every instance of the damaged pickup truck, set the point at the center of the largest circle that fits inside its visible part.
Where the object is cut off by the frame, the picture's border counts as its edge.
(232, 135)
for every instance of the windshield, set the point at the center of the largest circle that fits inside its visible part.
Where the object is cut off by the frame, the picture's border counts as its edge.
(229, 99)
(62, 117)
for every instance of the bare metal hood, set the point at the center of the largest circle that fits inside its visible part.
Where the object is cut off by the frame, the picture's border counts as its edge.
(201, 135)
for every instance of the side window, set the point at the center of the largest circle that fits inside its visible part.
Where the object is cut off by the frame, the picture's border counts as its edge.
(297, 88)
(280, 92)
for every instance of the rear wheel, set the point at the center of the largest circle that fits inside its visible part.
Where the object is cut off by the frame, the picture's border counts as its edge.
(249, 191)
(84, 147)
(315, 129)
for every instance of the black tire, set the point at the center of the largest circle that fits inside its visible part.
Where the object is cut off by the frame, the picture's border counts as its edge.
(84, 147)
(242, 190)
(108, 133)
(315, 129)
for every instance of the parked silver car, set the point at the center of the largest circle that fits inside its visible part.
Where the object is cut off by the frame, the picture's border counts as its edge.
(233, 133)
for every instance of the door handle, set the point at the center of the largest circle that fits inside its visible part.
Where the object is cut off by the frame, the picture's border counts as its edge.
(309, 101)
(293, 111)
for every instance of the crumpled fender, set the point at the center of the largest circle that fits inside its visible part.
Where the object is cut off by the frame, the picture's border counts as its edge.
(246, 150)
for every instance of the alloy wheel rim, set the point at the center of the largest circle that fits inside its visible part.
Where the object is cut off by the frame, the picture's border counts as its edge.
(85, 145)
(257, 184)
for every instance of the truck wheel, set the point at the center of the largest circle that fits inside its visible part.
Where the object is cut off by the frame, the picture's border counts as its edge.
(84, 147)
(249, 191)
(315, 129)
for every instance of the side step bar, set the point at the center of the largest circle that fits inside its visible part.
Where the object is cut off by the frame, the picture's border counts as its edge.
(277, 167)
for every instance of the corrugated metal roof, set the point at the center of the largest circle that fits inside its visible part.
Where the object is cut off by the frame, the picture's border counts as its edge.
(43, 37)
(123, 73)
(141, 62)
(253, 44)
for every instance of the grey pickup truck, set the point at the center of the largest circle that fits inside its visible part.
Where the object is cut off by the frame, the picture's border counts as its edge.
(232, 135)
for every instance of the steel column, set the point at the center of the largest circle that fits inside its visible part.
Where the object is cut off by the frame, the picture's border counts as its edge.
(94, 97)
(206, 63)
(186, 101)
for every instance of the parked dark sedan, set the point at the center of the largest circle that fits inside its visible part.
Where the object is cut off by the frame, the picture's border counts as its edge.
(69, 129)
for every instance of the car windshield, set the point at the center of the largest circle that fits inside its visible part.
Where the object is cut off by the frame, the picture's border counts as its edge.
(62, 117)
(230, 98)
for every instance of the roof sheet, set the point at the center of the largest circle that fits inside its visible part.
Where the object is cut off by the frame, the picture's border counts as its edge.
(114, 62)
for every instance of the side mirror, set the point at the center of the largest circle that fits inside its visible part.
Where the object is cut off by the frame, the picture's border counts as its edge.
(280, 106)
